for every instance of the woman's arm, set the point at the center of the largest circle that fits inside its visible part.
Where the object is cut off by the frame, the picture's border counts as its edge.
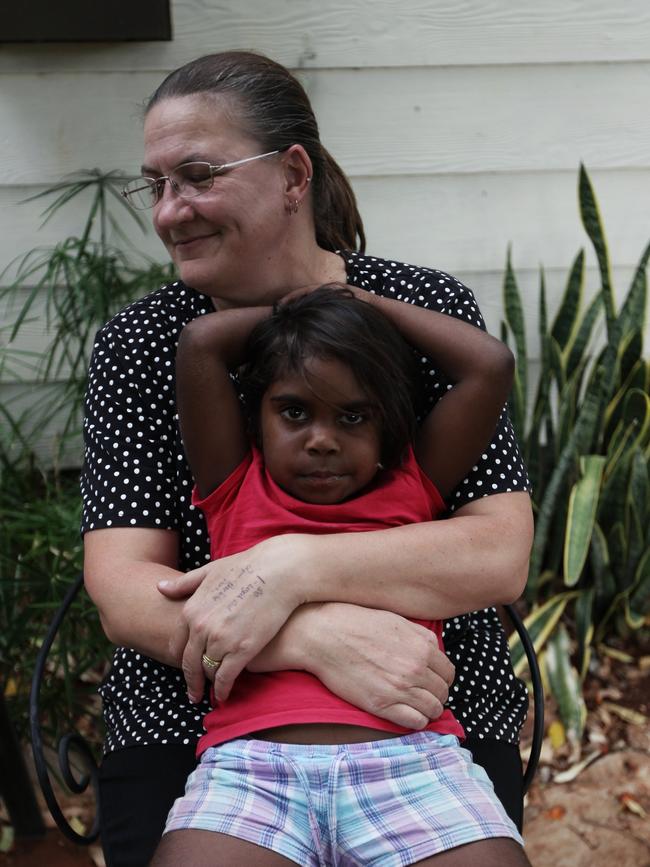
(379, 660)
(376, 660)
(477, 558)
(209, 411)
(461, 424)
(122, 566)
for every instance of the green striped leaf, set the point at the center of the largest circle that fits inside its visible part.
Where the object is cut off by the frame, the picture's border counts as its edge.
(637, 605)
(617, 546)
(584, 614)
(566, 321)
(583, 503)
(565, 684)
(631, 351)
(635, 379)
(557, 366)
(639, 490)
(540, 623)
(514, 314)
(634, 306)
(636, 543)
(541, 407)
(578, 443)
(577, 346)
(592, 223)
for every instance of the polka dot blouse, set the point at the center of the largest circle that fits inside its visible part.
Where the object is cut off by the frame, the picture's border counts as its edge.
(136, 475)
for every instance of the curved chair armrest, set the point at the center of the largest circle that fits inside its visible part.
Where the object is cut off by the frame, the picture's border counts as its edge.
(67, 742)
(538, 694)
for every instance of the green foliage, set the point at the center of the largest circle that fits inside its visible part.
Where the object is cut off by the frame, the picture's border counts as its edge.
(40, 556)
(565, 684)
(586, 441)
(76, 286)
(81, 282)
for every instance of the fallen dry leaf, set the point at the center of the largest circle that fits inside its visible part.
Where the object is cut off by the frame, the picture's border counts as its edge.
(6, 838)
(572, 772)
(95, 852)
(556, 734)
(613, 653)
(631, 804)
(11, 688)
(77, 825)
(555, 813)
(626, 713)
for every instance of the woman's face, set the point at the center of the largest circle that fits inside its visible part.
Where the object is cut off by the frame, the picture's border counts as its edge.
(231, 241)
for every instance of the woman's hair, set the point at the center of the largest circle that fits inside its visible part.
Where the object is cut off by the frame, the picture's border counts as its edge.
(273, 108)
(330, 323)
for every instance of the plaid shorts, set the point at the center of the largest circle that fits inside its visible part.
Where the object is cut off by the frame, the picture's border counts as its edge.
(384, 803)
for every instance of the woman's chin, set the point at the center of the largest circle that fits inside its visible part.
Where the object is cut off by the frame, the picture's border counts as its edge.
(200, 278)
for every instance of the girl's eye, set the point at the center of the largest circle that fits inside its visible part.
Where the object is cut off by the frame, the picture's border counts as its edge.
(294, 413)
(352, 418)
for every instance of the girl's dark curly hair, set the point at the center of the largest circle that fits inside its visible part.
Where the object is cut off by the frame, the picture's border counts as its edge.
(330, 323)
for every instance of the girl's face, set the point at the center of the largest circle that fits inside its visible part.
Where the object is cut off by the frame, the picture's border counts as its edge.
(223, 240)
(320, 436)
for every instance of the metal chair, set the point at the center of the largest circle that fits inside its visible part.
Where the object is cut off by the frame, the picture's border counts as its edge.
(74, 742)
(68, 742)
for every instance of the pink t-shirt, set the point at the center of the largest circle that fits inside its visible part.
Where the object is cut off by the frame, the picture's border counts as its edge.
(248, 508)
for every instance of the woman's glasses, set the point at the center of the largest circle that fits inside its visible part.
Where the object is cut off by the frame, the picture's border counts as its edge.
(187, 181)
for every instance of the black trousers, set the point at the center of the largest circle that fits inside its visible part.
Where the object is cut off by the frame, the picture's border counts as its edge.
(138, 786)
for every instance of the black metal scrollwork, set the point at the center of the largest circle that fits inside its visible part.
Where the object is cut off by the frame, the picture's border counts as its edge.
(69, 744)
(538, 694)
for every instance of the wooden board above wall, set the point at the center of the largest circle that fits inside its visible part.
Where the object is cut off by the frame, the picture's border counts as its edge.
(39, 21)
(368, 33)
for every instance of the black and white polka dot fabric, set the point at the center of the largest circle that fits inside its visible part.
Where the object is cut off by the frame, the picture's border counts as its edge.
(136, 475)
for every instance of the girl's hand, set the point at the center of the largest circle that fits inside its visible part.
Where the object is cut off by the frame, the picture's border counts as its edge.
(237, 605)
(361, 294)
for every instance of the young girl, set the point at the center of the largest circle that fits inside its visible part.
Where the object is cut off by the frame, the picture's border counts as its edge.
(328, 443)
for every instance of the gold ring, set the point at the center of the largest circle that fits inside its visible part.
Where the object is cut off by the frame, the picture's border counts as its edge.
(211, 663)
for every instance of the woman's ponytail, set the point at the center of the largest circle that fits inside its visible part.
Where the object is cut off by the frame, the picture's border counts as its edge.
(338, 222)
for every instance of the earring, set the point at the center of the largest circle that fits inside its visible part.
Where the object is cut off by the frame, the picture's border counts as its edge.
(292, 207)
(380, 466)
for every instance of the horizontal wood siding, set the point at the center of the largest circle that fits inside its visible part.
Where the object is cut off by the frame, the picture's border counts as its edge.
(371, 33)
(461, 123)
(377, 121)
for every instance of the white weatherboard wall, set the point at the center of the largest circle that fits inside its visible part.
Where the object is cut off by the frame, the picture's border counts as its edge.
(461, 123)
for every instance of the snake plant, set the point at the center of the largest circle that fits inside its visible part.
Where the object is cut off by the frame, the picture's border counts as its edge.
(586, 441)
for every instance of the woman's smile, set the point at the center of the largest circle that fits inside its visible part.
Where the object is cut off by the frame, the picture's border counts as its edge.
(190, 246)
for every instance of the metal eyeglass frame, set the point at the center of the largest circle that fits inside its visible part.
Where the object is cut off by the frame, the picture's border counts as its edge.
(157, 184)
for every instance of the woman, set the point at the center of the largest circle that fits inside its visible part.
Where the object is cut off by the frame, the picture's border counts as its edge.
(263, 219)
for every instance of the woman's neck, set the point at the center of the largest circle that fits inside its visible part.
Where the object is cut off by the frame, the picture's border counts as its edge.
(296, 272)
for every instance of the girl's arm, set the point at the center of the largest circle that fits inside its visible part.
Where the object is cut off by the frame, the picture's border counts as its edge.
(209, 412)
(461, 424)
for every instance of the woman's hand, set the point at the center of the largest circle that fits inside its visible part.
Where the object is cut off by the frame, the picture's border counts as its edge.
(236, 606)
(376, 660)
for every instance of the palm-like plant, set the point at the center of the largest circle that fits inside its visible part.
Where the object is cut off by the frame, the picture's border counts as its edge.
(77, 285)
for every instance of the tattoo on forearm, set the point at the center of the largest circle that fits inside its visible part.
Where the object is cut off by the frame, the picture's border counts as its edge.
(255, 587)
